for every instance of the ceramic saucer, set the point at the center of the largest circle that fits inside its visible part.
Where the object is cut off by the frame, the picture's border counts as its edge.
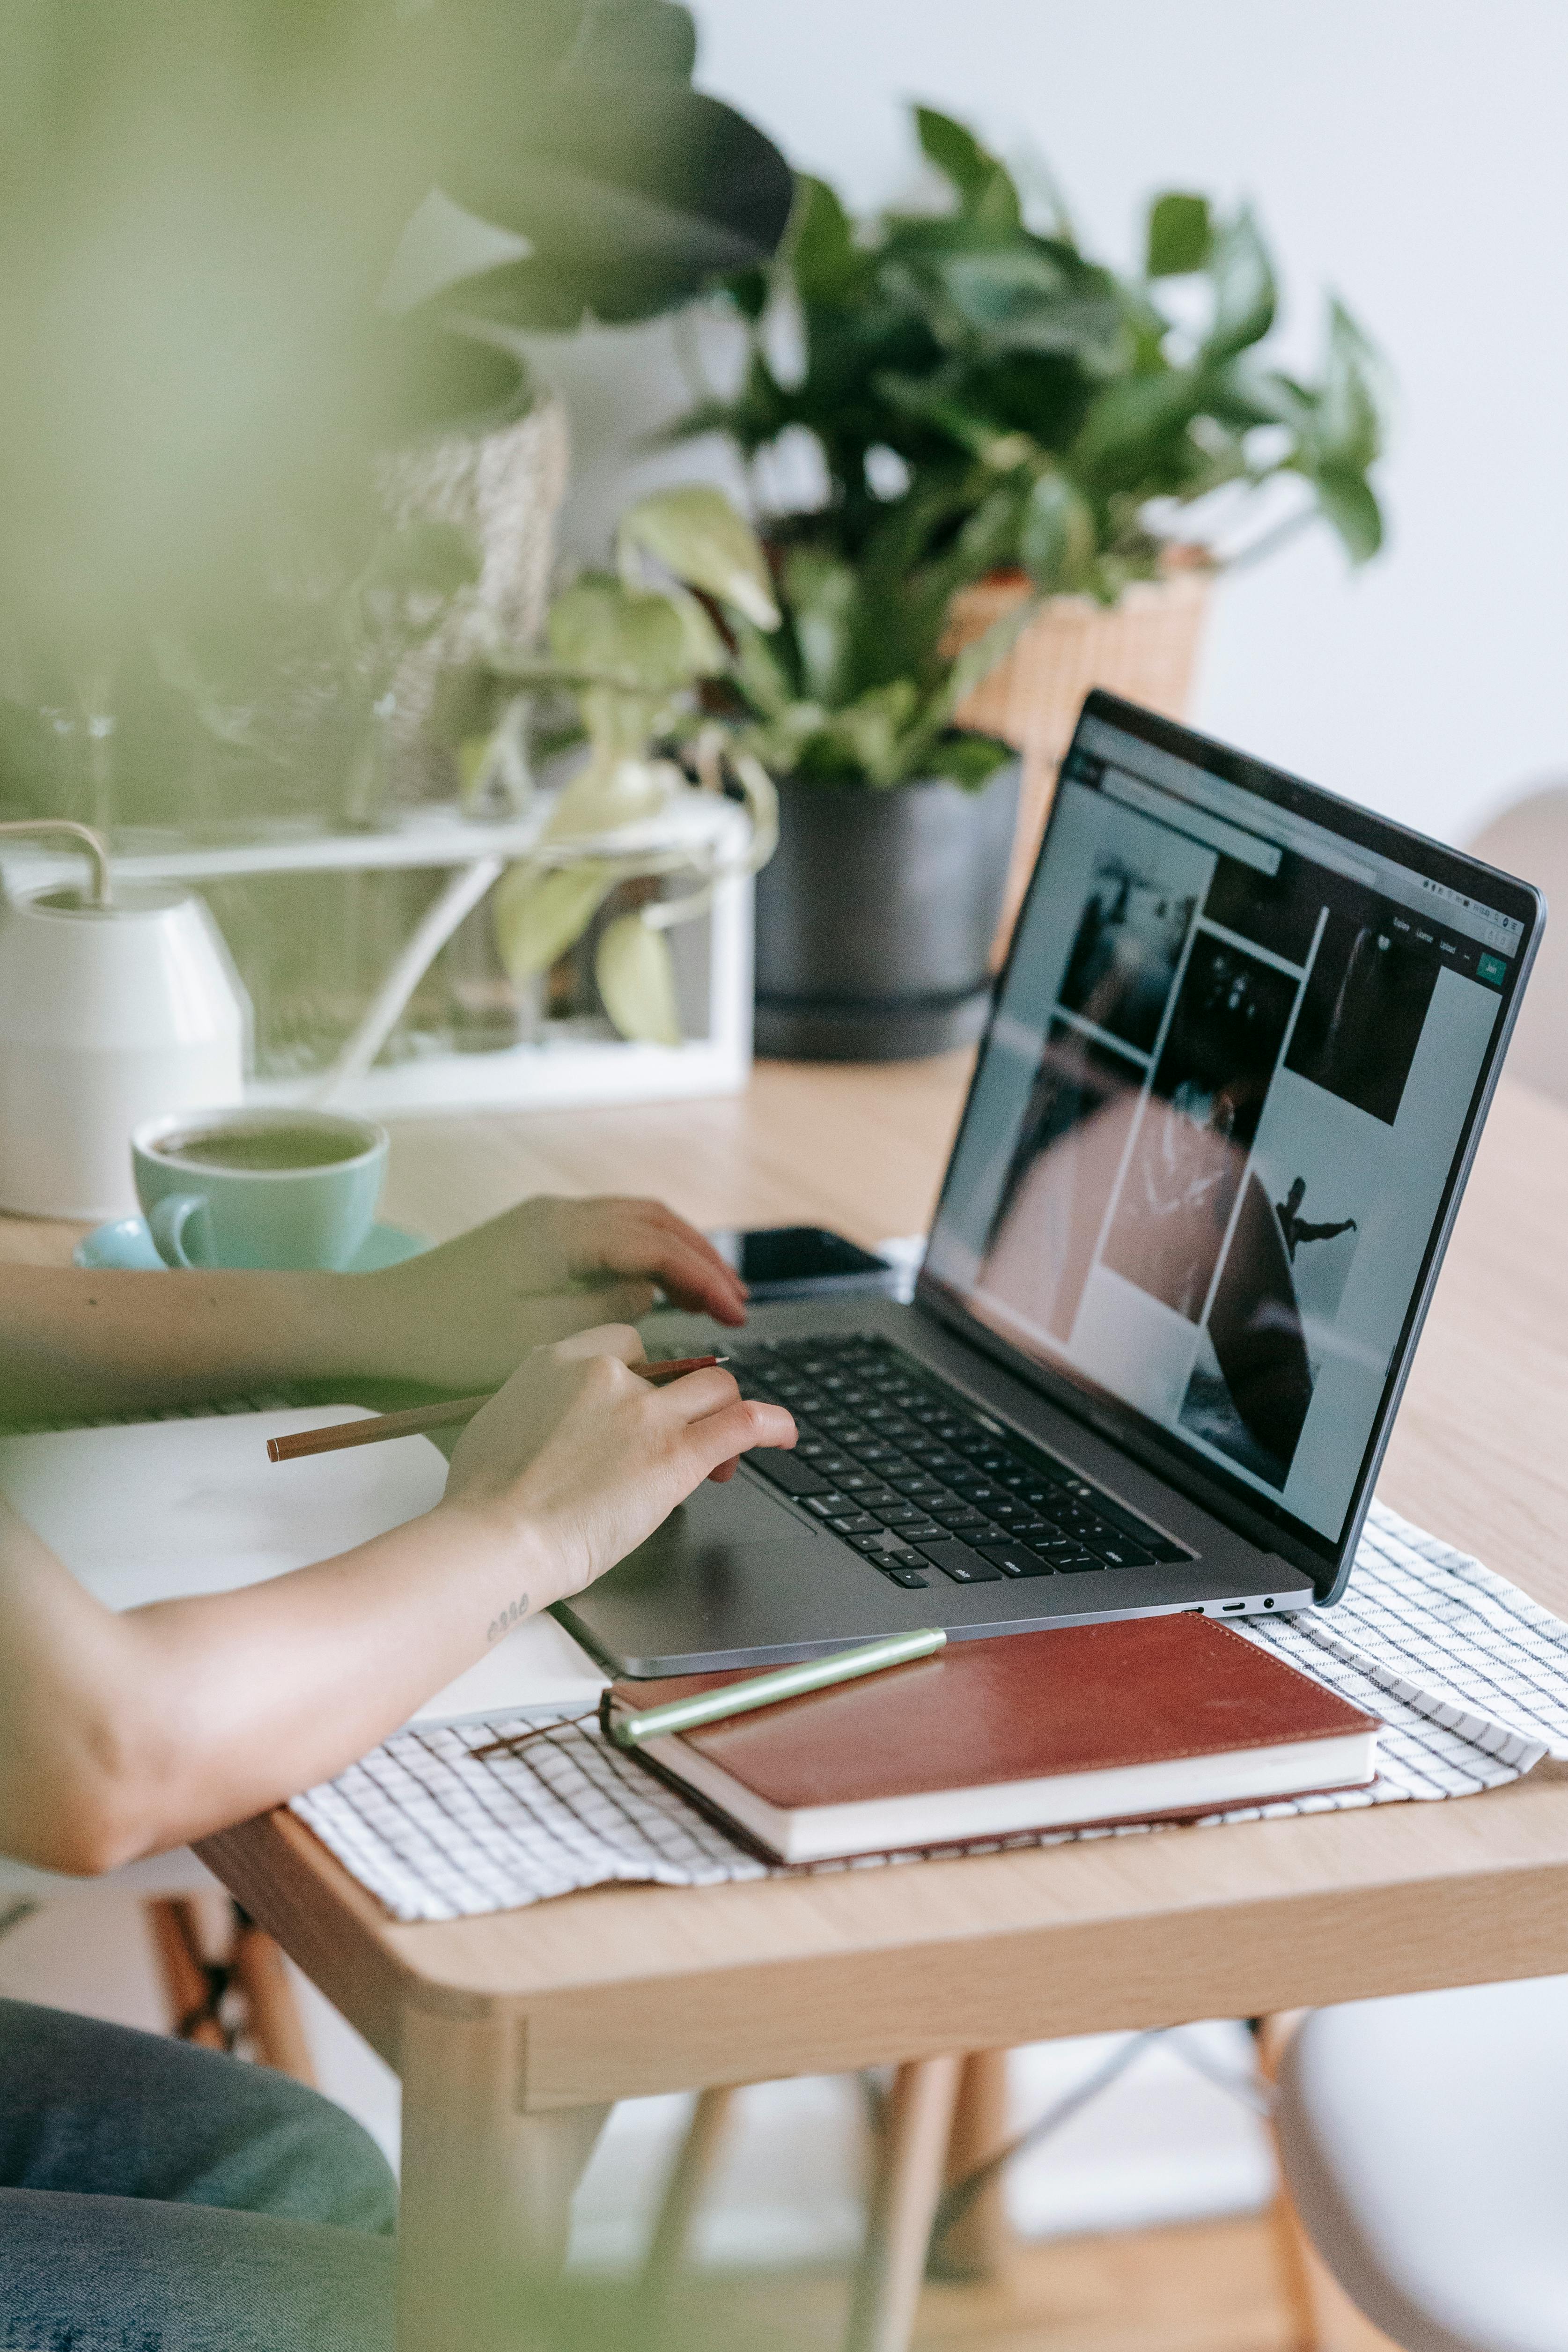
(126, 1244)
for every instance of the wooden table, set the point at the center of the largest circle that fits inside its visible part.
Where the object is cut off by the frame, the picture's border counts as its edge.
(510, 2033)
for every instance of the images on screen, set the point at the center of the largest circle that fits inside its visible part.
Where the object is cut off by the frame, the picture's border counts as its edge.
(1213, 1137)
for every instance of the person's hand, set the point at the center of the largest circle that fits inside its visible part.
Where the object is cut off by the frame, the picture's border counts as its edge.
(462, 1316)
(577, 1459)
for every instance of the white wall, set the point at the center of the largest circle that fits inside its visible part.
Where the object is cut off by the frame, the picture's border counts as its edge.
(1409, 152)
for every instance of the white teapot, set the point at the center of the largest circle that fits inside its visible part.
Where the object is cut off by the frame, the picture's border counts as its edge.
(114, 1005)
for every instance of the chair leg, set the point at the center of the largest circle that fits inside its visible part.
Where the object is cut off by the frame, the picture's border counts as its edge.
(273, 2023)
(914, 2140)
(189, 1986)
(978, 2244)
(687, 2179)
(1292, 2253)
(195, 1987)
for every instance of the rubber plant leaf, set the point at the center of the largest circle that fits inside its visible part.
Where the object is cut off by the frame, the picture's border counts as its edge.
(633, 197)
(539, 913)
(635, 38)
(636, 976)
(695, 533)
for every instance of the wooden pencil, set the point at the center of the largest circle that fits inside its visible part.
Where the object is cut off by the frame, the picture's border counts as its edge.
(421, 1417)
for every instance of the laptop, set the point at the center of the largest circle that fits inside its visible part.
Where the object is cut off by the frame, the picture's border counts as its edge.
(1218, 1128)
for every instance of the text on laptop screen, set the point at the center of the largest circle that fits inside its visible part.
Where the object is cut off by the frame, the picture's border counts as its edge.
(1217, 1113)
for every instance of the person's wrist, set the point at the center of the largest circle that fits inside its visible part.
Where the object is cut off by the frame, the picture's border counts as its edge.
(370, 1325)
(506, 1544)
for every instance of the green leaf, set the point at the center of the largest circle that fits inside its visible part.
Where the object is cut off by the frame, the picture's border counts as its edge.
(823, 258)
(749, 291)
(977, 434)
(620, 786)
(424, 376)
(957, 153)
(869, 730)
(704, 652)
(695, 533)
(1349, 421)
(1244, 292)
(1180, 235)
(597, 624)
(1135, 418)
(536, 916)
(976, 661)
(1351, 507)
(1057, 538)
(821, 592)
(759, 674)
(635, 38)
(970, 761)
(633, 196)
(1024, 298)
(636, 976)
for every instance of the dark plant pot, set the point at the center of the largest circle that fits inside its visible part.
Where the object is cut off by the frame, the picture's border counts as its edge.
(875, 917)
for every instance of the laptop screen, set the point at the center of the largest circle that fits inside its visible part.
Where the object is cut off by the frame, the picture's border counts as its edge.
(1219, 1108)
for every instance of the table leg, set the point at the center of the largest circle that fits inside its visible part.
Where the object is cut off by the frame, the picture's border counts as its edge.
(914, 2137)
(486, 2191)
(672, 2229)
(978, 2244)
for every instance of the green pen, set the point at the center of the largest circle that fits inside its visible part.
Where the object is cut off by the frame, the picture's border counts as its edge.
(790, 1681)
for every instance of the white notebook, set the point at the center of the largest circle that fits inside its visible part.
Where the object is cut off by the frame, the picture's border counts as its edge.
(156, 1510)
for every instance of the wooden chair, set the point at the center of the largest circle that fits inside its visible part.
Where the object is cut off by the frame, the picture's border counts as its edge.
(238, 1995)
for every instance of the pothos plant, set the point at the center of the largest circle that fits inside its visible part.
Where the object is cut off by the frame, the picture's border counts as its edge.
(632, 651)
(985, 395)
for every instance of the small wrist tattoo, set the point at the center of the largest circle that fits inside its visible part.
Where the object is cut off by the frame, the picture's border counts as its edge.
(507, 1619)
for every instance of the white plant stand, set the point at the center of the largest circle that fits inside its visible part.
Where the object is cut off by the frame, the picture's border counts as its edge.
(562, 1067)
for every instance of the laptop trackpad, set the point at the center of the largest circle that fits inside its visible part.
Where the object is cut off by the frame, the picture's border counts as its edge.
(732, 1571)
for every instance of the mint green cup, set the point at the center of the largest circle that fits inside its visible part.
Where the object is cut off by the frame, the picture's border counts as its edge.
(307, 1213)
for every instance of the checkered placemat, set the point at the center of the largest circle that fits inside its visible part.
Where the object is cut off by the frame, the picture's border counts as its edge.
(1469, 1676)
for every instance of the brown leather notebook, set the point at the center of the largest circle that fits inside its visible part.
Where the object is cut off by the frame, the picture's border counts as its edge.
(1149, 1718)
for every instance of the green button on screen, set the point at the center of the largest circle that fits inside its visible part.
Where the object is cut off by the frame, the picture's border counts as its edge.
(1492, 970)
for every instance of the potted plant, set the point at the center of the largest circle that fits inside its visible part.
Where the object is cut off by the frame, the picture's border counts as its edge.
(1013, 427)
(250, 252)
(269, 268)
(874, 920)
(630, 650)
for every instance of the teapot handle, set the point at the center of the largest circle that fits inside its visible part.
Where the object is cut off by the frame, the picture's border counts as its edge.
(84, 838)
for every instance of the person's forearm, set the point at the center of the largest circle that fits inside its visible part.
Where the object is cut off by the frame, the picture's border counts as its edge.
(125, 1735)
(75, 1342)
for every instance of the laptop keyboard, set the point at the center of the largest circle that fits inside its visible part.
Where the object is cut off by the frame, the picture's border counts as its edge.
(917, 1479)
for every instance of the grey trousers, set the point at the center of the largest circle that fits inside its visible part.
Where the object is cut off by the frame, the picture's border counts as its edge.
(155, 2197)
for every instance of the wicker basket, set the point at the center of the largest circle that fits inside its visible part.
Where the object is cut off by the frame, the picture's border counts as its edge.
(1145, 648)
